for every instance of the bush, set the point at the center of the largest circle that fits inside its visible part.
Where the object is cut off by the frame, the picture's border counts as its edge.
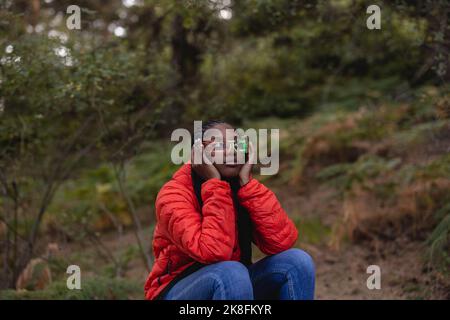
(99, 288)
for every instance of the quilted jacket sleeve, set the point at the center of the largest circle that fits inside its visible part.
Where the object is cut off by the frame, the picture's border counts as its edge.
(207, 237)
(273, 231)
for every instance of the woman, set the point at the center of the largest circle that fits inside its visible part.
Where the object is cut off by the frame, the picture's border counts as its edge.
(207, 217)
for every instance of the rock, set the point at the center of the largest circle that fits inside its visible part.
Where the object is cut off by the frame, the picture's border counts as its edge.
(35, 276)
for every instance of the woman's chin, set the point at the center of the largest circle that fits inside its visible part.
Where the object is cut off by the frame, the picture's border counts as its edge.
(230, 171)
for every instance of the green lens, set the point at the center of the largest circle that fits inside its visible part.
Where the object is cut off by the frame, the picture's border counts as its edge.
(242, 145)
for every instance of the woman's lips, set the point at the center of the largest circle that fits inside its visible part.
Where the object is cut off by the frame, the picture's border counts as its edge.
(232, 165)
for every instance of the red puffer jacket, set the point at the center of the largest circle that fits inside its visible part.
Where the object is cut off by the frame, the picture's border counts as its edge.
(183, 235)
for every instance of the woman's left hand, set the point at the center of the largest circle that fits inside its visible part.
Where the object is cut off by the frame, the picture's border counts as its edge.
(244, 174)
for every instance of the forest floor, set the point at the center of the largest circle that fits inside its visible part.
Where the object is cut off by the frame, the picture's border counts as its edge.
(340, 273)
(363, 188)
(391, 235)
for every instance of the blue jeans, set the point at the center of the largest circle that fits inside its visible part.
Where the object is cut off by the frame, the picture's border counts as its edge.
(288, 275)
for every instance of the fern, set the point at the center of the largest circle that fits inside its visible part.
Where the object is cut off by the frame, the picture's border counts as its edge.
(345, 175)
(439, 240)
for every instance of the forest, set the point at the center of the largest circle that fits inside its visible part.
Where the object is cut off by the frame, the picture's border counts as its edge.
(90, 95)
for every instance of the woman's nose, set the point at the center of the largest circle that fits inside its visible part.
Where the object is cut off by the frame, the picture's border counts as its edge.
(230, 149)
(230, 154)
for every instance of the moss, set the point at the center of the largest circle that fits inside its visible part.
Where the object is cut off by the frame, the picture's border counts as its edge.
(99, 288)
(312, 230)
(439, 241)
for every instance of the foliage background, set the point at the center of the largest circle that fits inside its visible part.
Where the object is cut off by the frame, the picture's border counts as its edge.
(86, 117)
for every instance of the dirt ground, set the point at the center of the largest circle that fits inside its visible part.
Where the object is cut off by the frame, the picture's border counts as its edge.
(340, 274)
(343, 274)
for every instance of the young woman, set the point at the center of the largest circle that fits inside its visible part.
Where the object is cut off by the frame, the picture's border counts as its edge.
(207, 217)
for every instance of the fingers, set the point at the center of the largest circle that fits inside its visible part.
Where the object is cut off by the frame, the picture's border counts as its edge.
(251, 153)
(199, 156)
(197, 152)
(206, 158)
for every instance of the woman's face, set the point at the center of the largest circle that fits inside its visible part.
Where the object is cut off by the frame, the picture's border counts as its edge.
(227, 169)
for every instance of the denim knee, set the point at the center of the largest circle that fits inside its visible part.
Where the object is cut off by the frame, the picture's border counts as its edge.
(298, 259)
(234, 277)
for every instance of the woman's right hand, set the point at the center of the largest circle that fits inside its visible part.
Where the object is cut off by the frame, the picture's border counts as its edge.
(205, 169)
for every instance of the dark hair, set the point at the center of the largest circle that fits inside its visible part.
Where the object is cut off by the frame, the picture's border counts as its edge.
(243, 218)
(211, 123)
(205, 126)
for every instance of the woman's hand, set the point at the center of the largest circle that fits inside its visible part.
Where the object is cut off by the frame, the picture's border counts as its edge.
(246, 170)
(205, 169)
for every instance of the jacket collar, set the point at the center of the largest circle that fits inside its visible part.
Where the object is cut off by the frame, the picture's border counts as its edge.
(183, 175)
